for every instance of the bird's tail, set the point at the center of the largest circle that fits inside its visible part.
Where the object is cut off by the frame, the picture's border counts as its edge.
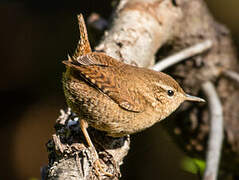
(83, 46)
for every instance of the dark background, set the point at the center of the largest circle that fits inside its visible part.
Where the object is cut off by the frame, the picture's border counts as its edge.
(35, 37)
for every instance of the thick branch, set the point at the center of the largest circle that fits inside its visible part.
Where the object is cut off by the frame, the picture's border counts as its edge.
(139, 29)
(69, 158)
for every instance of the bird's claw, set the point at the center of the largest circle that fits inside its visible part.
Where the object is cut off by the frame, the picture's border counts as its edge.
(99, 168)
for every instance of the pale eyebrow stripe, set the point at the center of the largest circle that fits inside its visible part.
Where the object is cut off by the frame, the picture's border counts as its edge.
(165, 87)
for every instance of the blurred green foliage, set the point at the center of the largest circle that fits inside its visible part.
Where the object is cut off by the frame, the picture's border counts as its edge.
(193, 165)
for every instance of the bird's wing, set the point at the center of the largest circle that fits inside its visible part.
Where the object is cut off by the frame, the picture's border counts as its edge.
(106, 77)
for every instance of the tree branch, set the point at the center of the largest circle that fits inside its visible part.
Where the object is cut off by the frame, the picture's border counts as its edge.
(232, 74)
(69, 158)
(182, 55)
(215, 133)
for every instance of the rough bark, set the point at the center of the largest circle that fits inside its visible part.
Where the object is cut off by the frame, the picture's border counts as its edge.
(69, 158)
(138, 30)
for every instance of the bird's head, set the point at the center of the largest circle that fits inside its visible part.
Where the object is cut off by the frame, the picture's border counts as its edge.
(169, 95)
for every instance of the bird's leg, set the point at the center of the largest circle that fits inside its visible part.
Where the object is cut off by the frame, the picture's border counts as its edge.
(84, 126)
(97, 163)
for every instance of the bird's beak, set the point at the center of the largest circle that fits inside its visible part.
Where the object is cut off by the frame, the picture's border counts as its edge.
(194, 98)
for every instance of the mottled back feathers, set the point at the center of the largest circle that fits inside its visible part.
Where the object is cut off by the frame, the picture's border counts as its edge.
(103, 72)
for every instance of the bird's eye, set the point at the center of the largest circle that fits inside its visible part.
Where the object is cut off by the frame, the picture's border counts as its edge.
(170, 93)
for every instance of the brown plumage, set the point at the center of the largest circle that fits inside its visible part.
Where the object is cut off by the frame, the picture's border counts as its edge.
(115, 97)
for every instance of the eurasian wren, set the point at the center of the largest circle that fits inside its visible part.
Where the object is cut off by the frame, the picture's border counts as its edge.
(115, 97)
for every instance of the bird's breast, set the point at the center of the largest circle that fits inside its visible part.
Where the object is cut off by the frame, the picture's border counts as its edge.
(101, 112)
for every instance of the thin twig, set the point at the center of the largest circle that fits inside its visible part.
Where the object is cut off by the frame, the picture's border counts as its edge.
(182, 55)
(215, 133)
(232, 74)
(216, 122)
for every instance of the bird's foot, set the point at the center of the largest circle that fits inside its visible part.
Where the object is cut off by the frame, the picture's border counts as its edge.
(99, 168)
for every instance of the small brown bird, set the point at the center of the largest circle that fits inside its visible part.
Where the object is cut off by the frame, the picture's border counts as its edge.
(115, 97)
